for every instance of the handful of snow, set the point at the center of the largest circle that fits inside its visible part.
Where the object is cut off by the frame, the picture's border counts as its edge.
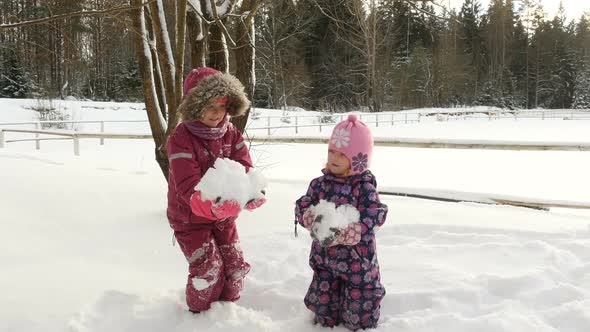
(228, 180)
(332, 217)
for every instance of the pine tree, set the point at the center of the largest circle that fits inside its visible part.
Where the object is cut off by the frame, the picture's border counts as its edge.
(472, 46)
(14, 81)
(581, 98)
(335, 54)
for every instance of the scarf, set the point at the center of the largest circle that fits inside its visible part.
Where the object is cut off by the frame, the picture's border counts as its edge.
(200, 130)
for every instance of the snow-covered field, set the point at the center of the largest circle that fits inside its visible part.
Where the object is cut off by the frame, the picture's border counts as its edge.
(85, 245)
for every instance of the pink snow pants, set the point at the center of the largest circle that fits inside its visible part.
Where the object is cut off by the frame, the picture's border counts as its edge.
(216, 264)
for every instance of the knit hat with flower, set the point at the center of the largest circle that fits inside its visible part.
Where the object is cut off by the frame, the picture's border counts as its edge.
(205, 85)
(353, 138)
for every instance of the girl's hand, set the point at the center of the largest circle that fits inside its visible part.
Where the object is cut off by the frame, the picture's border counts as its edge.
(348, 236)
(255, 203)
(201, 207)
(227, 209)
(213, 210)
(308, 219)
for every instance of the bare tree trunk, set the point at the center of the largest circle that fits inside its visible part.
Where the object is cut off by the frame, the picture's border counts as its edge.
(164, 50)
(179, 59)
(218, 56)
(158, 80)
(196, 35)
(245, 44)
(245, 68)
(157, 123)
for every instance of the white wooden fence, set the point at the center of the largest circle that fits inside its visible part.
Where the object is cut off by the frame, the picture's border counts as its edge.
(294, 121)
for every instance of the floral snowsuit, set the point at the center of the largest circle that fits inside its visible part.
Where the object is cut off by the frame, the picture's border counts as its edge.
(346, 285)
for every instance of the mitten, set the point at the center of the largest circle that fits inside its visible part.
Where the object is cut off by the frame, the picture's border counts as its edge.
(307, 219)
(255, 203)
(348, 236)
(200, 207)
(227, 209)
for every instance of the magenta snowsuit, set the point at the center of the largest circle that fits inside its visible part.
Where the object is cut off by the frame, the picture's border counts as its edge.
(216, 262)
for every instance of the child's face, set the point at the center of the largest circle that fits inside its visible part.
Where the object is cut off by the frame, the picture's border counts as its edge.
(338, 164)
(214, 113)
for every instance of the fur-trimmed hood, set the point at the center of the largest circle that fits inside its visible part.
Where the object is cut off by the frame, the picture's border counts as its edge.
(209, 89)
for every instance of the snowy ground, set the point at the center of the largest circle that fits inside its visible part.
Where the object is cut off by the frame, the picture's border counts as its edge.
(85, 244)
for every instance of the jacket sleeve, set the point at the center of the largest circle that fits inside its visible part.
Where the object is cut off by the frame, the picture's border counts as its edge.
(184, 166)
(372, 211)
(306, 201)
(240, 151)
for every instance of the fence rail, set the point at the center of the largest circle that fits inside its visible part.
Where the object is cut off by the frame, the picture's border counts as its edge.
(292, 121)
(75, 136)
(443, 143)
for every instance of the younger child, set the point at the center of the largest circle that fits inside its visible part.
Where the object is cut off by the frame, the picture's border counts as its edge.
(206, 230)
(346, 287)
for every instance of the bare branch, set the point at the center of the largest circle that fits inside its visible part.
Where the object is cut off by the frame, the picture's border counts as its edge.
(85, 13)
(219, 23)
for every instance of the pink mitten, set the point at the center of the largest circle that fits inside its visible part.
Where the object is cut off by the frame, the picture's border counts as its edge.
(255, 204)
(350, 235)
(308, 218)
(227, 209)
(200, 207)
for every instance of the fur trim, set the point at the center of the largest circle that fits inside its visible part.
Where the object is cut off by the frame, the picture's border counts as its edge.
(211, 88)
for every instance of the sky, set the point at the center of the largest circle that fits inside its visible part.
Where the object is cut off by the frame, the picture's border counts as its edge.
(573, 8)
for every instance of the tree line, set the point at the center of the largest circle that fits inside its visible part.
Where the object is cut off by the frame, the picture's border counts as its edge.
(332, 55)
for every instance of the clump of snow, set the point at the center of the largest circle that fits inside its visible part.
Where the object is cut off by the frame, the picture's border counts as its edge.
(200, 284)
(258, 184)
(332, 217)
(228, 180)
(221, 8)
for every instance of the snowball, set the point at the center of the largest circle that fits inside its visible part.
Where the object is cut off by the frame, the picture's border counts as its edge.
(258, 184)
(228, 180)
(333, 217)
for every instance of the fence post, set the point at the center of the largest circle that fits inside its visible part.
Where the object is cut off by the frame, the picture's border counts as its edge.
(296, 124)
(76, 145)
(376, 120)
(1, 138)
(37, 141)
(102, 132)
(268, 125)
(392, 119)
(320, 120)
(406, 117)
(543, 115)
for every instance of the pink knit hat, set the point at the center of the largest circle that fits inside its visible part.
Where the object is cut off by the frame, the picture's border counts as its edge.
(195, 76)
(353, 138)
